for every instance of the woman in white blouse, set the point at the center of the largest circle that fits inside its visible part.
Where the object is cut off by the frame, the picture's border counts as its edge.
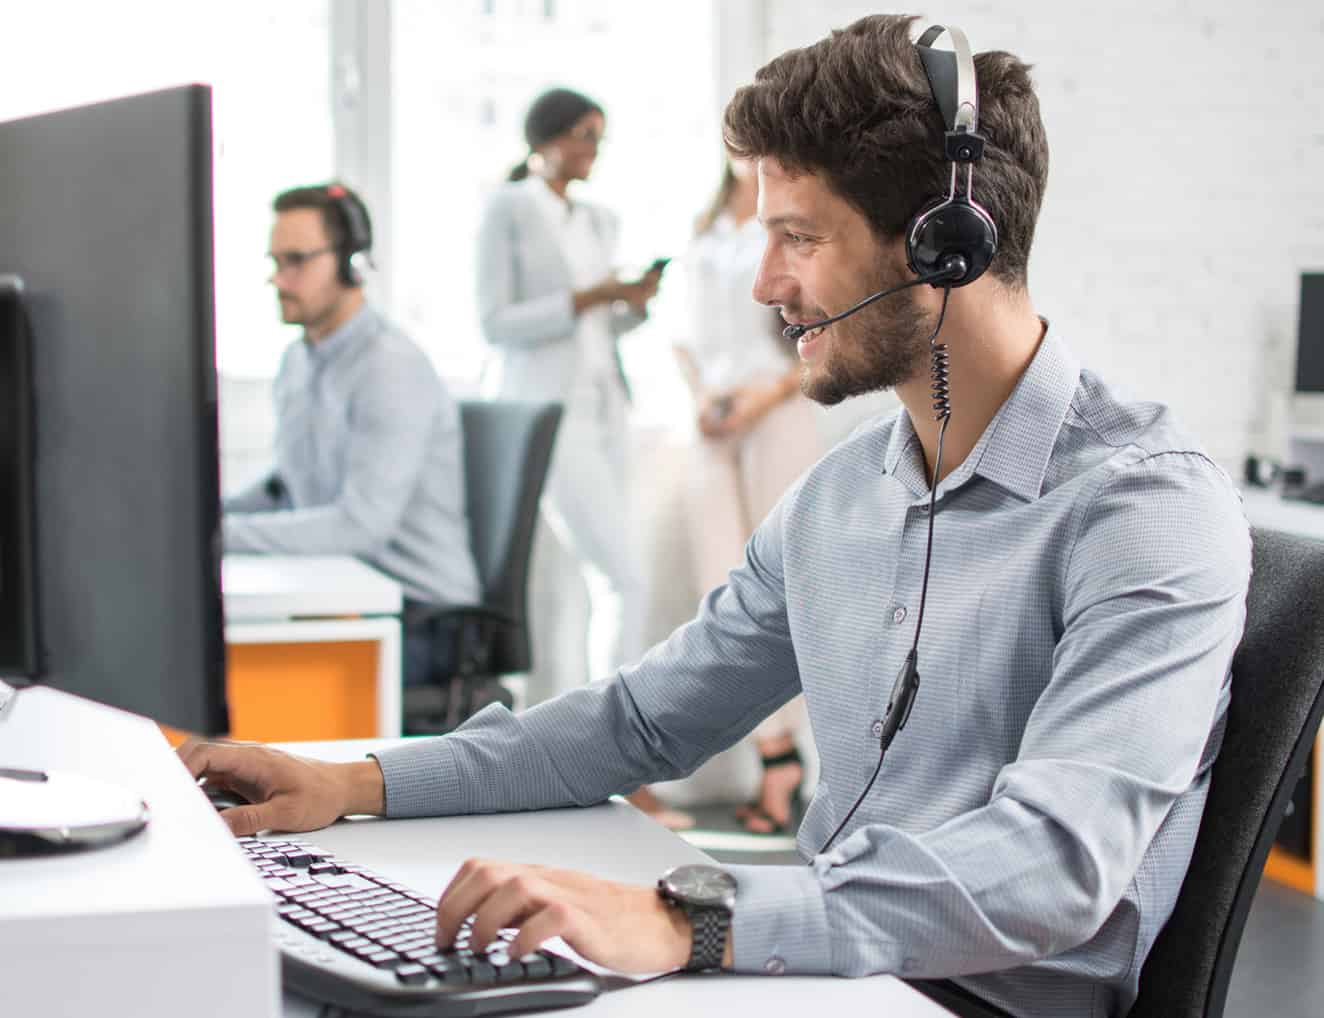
(550, 302)
(756, 435)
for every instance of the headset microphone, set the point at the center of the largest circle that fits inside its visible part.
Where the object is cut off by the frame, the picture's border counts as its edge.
(953, 268)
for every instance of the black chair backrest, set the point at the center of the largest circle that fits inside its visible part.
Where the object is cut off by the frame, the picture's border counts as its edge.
(1277, 675)
(507, 447)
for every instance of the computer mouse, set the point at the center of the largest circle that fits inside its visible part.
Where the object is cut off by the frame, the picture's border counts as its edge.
(223, 798)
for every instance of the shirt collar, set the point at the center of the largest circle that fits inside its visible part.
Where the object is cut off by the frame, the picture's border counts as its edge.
(365, 324)
(558, 209)
(1014, 450)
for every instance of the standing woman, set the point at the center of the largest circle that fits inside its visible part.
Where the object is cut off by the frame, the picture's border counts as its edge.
(756, 435)
(551, 304)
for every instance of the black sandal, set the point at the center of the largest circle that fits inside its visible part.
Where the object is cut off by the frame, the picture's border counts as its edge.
(755, 808)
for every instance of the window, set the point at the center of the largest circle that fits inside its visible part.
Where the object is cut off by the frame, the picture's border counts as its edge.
(269, 68)
(457, 128)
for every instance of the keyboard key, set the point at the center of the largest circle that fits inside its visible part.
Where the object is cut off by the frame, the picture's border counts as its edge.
(561, 966)
(482, 974)
(511, 971)
(412, 975)
(382, 958)
(536, 966)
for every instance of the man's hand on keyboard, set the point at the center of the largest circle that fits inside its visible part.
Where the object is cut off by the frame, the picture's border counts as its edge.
(620, 926)
(285, 792)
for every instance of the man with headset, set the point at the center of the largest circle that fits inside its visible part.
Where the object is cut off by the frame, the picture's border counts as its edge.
(1030, 827)
(369, 459)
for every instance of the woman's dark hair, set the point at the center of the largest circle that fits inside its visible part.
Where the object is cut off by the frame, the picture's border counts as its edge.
(551, 115)
(717, 205)
(856, 108)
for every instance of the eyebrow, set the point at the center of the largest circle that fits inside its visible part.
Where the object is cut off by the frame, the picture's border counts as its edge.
(788, 220)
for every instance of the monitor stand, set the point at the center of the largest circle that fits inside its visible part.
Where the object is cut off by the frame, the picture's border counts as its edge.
(46, 812)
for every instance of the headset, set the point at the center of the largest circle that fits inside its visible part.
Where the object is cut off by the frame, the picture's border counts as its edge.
(949, 243)
(356, 251)
(952, 239)
(954, 225)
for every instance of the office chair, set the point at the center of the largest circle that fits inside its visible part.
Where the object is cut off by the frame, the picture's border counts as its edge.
(1277, 702)
(1277, 677)
(507, 448)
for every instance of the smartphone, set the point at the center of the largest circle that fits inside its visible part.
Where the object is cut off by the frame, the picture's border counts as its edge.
(658, 264)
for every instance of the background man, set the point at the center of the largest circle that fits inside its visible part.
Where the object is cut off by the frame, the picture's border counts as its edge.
(369, 458)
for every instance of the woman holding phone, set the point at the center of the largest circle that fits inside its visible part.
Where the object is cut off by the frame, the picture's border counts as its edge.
(755, 435)
(550, 302)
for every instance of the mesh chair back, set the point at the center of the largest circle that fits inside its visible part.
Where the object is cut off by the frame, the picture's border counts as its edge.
(1277, 675)
(507, 447)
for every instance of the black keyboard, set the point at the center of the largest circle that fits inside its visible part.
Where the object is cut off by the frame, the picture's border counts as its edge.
(357, 941)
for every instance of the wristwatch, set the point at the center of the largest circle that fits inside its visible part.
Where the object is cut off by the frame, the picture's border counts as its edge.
(707, 895)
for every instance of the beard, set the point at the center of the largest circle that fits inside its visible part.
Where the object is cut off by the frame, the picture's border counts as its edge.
(877, 348)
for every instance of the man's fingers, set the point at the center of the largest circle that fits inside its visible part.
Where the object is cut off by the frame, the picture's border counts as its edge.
(246, 820)
(555, 920)
(514, 900)
(475, 880)
(214, 758)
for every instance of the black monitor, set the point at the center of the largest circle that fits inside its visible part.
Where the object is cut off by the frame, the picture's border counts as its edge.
(1310, 334)
(109, 484)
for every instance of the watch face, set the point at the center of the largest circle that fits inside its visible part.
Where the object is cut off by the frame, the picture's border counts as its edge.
(704, 886)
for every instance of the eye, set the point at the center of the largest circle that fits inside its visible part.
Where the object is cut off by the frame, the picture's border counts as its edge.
(796, 238)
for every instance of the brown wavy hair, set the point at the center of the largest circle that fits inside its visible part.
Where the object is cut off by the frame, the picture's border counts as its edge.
(856, 108)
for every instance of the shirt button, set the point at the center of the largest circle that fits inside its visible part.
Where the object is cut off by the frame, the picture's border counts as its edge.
(876, 729)
(923, 507)
(899, 616)
(774, 966)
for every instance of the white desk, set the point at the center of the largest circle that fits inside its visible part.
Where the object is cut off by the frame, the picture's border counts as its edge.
(286, 599)
(143, 928)
(1267, 510)
(614, 841)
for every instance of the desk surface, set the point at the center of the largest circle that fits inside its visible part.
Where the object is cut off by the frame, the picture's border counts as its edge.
(615, 841)
(1270, 511)
(271, 587)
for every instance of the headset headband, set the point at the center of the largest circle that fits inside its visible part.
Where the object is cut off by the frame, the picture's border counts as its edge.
(951, 77)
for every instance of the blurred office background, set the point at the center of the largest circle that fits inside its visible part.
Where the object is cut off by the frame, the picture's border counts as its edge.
(1185, 197)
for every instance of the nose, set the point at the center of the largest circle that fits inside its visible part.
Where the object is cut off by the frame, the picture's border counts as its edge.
(772, 285)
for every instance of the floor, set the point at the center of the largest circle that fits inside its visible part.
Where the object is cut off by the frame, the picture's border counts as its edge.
(1280, 964)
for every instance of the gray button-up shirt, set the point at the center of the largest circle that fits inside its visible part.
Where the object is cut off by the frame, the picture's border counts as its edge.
(370, 456)
(1031, 825)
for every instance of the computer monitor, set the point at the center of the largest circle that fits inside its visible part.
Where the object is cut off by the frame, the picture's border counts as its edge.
(1310, 334)
(109, 538)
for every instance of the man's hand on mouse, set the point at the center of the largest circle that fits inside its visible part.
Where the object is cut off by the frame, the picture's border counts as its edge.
(285, 792)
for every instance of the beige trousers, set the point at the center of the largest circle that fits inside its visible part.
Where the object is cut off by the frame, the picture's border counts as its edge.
(733, 484)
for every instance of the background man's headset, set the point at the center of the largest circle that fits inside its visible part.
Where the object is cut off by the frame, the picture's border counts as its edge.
(949, 243)
(356, 251)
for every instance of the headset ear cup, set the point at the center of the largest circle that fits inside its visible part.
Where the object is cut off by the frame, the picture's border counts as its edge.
(947, 227)
(348, 277)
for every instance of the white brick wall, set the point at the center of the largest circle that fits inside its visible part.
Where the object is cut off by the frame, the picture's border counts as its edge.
(1185, 195)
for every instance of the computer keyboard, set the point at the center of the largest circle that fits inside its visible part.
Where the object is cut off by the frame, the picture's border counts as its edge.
(360, 942)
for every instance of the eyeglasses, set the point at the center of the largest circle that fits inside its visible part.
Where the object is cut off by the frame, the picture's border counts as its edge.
(587, 135)
(293, 261)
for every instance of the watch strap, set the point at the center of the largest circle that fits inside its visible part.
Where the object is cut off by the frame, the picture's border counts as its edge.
(708, 944)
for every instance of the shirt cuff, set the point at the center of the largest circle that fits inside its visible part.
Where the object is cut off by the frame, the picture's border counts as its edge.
(421, 779)
(780, 923)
